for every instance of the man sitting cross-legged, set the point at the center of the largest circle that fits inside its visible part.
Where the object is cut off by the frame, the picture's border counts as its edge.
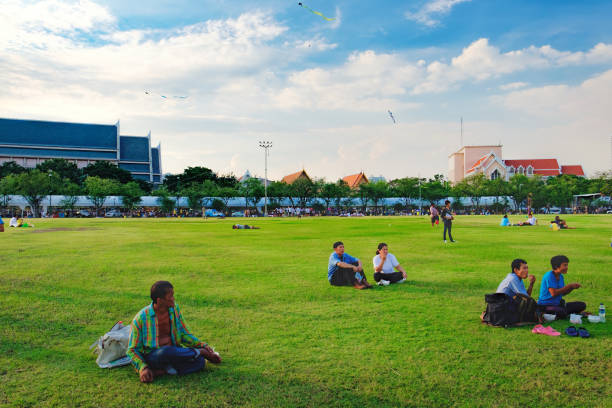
(553, 288)
(344, 270)
(161, 343)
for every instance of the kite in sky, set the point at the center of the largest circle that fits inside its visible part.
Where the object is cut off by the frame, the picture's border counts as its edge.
(391, 115)
(164, 96)
(318, 13)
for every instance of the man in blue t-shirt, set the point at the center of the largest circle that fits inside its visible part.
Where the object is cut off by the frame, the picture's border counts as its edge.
(553, 288)
(512, 284)
(344, 270)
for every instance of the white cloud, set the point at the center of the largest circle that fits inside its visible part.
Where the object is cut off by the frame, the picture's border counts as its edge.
(512, 86)
(430, 12)
(481, 61)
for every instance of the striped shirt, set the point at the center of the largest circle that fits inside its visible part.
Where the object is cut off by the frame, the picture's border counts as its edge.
(145, 334)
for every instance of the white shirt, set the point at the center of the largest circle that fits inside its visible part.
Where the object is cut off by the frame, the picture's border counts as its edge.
(532, 220)
(390, 263)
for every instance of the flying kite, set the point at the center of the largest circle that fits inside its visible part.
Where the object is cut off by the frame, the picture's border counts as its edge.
(318, 13)
(391, 116)
(164, 96)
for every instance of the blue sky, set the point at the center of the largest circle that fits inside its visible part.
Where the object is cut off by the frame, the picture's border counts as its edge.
(533, 75)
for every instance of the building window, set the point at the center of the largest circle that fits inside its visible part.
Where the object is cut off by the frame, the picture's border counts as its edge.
(495, 175)
(520, 170)
(511, 171)
(529, 170)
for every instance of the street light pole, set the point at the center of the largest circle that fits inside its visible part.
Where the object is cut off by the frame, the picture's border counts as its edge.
(49, 209)
(266, 145)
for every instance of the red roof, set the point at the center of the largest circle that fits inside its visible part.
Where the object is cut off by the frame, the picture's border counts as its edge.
(289, 179)
(537, 164)
(355, 180)
(478, 163)
(575, 170)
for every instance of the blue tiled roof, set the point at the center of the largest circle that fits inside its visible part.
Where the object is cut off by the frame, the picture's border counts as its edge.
(134, 148)
(63, 154)
(155, 160)
(57, 134)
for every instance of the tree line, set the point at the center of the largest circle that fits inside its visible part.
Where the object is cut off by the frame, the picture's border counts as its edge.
(204, 188)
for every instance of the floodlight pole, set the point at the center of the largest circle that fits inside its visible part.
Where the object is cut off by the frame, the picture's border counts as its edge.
(266, 145)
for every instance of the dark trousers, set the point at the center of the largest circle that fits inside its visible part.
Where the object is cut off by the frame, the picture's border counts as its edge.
(564, 309)
(447, 227)
(344, 276)
(183, 359)
(391, 277)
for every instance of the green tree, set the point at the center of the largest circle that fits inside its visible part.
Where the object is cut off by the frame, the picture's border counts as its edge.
(252, 190)
(71, 192)
(210, 190)
(343, 192)
(11, 167)
(226, 194)
(327, 192)
(497, 188)
(131, 195)
(107, 170)
(517, 189)
(303, 190)
(194, 193)
(405, 188)
(435, 189)
(33, 186)
(276, 192)
(166, 203)
(64, 168)
(474, 187)
(376, 192)
(97, 189)
(602, 183)
(8, 187)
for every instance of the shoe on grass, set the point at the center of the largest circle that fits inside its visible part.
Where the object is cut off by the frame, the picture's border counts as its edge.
(383, 282)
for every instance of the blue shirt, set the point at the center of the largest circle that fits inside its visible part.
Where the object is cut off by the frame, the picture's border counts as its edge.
(512, 285)
(549, 281)
(334, 258)
(505, 222)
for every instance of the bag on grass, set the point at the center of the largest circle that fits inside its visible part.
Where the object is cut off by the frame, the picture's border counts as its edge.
(527, 309)
(112, 347)
(501, 310)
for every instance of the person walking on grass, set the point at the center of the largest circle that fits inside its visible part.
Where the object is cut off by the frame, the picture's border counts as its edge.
(160, 342)
(553, 288)
(447, 219)
(344, 270)
(433, 213)
(384, 264)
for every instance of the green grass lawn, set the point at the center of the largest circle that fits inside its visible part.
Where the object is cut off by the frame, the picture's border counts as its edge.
(262, 299)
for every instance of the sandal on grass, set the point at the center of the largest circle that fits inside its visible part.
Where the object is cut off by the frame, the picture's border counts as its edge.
(584, 333)
(571, 331)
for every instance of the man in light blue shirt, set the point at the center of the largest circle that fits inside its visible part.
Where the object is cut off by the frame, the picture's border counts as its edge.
(345, 270)
(512, 284)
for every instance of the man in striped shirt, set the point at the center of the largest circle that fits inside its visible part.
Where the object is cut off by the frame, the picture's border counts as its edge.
(161, 343)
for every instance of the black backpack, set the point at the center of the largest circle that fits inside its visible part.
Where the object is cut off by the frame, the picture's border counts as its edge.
(501, 310)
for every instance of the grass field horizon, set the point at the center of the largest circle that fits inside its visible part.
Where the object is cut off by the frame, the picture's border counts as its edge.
(262, 299)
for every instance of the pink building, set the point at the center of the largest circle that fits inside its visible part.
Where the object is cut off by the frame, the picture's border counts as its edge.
(470, 160)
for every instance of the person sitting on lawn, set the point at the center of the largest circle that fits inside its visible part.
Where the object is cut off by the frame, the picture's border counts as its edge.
(553, 288)
(512, 284)
(13, 222)
(161, 343)
(384, 263)
(344, 270)
(561, 223)
(505, 222)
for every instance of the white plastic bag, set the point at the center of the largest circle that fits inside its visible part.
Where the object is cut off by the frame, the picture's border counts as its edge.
(112, 347)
